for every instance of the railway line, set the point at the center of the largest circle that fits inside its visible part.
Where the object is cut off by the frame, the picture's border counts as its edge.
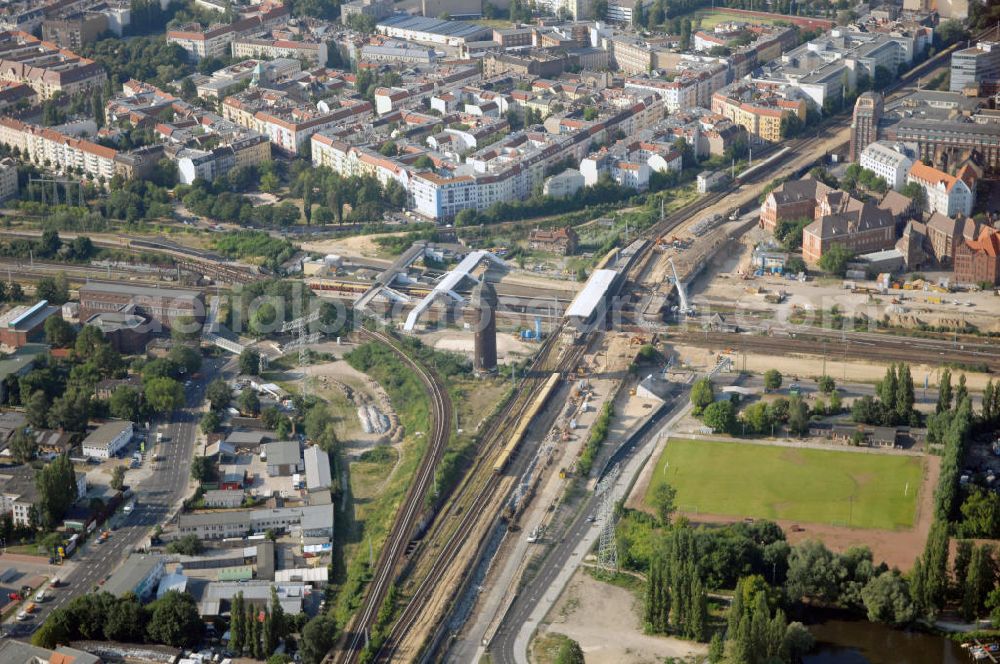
(479, 499)
(867, 347)
(399, 536)
(190, 259)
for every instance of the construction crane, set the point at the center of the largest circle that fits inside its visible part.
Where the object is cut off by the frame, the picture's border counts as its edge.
(685, 308)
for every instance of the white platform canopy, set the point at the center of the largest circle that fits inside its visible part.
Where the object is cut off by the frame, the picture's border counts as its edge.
(449, 282)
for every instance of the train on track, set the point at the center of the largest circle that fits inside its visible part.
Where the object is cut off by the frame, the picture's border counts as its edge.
(762, 166)
(529, 415)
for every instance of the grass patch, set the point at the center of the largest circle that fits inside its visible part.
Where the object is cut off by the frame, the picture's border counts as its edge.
(546, 647)
(379, 486)
(771, 482)
(712, 17)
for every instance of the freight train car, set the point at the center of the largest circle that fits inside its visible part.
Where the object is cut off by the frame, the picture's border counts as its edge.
(536, 407)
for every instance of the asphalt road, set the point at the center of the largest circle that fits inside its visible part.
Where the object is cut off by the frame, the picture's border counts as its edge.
(157, 497)
(560, 556)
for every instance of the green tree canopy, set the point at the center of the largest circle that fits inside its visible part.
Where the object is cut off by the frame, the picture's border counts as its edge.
(219, 394)
(164, 395)
(58, 332)
(174, 620)
(702, 395)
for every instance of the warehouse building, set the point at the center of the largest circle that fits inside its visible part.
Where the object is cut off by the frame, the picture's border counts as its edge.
(108, 439)
(140, 575)
(162, 306)
(23, 324)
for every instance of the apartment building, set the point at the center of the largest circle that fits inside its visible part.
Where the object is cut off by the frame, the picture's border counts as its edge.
(50, 149)
(8, 178)
(312, 51)
(377, 9)
(563, 185)
(45, 67)
(634, 55)
(693, 85)
(76, 29)
(250, 150)
(759, 108)
(286, 123)
(631, 163)
(889, 161)
(214, 41)
(623, 11)
(504, 171)
(944, 193)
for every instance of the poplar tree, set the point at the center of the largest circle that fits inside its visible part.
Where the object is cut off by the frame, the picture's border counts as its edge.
(978, 582)
(237, 624)
(252, 635)
(698, 621)
(267, 634)
(904, 394)
(944, 392)
(962, 392)
(887, 387)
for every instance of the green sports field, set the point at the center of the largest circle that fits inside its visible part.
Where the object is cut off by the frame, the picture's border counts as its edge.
(713, 17)
(807, 485)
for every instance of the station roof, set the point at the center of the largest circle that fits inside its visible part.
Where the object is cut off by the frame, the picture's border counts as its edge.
(593, 292)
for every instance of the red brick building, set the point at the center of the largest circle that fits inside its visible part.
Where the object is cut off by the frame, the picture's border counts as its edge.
(979, 260)
(559, 241)
(24, 324)
(791, 201)
(845, 221)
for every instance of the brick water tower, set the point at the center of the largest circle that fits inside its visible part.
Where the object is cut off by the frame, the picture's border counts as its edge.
(483, 320)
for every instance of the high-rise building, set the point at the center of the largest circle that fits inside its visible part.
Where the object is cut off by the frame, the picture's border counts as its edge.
(483, 319)
(972, 66)
(864, 125)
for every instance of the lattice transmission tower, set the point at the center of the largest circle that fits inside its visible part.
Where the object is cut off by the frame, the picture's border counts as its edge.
(607, 551)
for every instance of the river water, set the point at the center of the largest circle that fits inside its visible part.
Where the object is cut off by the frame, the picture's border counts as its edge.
(840, 641)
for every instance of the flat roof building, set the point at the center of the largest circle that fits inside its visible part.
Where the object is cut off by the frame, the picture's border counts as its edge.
(163, 306)
(283, 458)
(140, 574)
(108, 439)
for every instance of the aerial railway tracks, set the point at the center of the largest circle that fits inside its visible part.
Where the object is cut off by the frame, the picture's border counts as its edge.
(482, 488)
(394, 549)
(480, 495)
